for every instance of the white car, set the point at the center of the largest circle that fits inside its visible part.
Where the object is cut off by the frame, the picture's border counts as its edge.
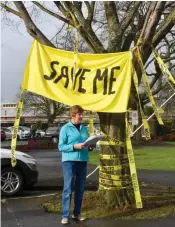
(24, 174)
(39, 132)
(22, 134)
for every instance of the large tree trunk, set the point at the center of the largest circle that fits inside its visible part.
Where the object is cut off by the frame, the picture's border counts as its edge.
(113, 124)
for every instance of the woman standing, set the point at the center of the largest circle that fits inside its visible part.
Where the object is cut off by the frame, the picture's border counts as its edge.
(74, 162)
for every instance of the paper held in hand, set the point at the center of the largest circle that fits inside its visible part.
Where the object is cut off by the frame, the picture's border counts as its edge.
(93, 139)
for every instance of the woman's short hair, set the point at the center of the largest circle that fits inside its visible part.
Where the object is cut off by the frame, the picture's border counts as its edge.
(75, 109)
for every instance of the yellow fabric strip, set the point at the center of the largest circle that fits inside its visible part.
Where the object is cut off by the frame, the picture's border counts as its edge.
(112, 176)
(132, 166)
(15, 130)
(144, 121)
(75, 60)
(111, 143)
(107, 187)
(112, 182)
(112, 168)
(111, 157)
(148, 90)
(164, 69)
(91, 124)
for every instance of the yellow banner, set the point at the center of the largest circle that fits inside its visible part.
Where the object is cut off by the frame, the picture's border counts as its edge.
(101, 82)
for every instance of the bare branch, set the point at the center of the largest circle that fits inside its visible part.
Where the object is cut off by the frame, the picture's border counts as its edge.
(31, 27)
(10, 10)
(164, 28)
(90, 8)
(130, 16)
(61, 7)
(169, 59)
(83, 28)
(151, 9)
(152, 21)
(50, 12)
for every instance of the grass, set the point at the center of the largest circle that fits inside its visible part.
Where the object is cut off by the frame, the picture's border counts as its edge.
(170, 142)
(150, 158)
(154, 206)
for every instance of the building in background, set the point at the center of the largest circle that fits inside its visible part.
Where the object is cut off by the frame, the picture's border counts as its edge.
(8, 114)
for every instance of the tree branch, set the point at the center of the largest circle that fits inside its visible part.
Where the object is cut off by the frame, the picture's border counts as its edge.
(60, 7)
(50, 12)
(164, 27)
(126, 22)
(114, 31)
(85, 30)
(90, 8)
(31, 27)
(10, 10)
(152, 21)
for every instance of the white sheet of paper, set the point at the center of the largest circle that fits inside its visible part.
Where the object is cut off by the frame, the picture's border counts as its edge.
(93, 139)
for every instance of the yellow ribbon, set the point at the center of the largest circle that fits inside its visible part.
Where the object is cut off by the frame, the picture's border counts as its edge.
(91, 124)
(144, 121)
(132, 166)
(15, 129)
(164, 69)
(148, 90)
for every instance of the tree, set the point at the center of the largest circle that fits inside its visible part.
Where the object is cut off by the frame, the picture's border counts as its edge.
(42, 106)
(110, 27)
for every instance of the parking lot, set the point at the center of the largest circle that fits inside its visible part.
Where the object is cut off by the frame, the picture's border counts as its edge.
(7, 143)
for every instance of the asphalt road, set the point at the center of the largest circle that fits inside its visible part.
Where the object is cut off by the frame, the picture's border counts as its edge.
(7, 143)
(51, 179)
(50, 172)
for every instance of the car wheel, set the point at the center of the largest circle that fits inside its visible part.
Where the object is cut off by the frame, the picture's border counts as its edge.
(54, 140)
(11, 181)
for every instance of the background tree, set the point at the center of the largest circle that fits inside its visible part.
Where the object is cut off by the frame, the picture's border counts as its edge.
(42, 106)
(109, 27)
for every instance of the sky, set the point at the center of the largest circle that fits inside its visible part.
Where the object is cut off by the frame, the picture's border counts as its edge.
(15, 47)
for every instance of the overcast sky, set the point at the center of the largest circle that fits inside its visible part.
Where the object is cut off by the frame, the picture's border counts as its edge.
(15, 48)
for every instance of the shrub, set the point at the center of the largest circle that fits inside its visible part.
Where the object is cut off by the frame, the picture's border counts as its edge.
(168, 137)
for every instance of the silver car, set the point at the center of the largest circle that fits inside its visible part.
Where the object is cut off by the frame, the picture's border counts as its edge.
(22, 134)
(24, 174)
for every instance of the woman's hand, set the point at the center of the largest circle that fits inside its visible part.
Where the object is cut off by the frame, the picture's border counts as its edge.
(91, 147)
(79, 146)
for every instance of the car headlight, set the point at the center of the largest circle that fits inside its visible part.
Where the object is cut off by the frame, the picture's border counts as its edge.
(32, 166)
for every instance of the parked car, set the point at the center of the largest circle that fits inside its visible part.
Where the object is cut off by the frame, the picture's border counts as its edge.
(39, 132)
(52, 133)
(24, 174)
(8, 133)
(3, 135)
(22, 133)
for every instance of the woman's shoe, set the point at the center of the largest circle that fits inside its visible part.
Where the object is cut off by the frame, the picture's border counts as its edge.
(80, 218)
(65, 221)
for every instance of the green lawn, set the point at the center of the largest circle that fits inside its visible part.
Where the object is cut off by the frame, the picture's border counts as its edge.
(151, 158)
(170, 142)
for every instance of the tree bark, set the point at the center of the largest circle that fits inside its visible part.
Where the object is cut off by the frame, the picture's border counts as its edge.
(114, 126)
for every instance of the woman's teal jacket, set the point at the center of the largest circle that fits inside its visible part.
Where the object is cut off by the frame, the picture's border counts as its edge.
(69, 136)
